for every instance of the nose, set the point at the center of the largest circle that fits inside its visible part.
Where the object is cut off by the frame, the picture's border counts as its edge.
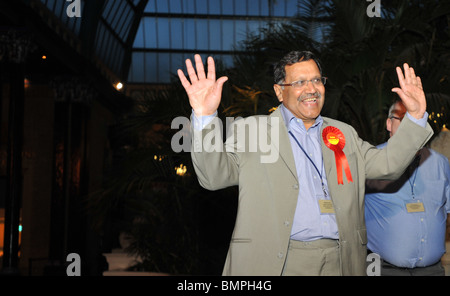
(310, 88)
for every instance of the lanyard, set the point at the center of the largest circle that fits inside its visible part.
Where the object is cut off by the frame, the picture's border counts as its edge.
(318, 172)
(415, 175)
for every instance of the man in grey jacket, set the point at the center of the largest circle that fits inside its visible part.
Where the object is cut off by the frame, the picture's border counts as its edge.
(302, 212)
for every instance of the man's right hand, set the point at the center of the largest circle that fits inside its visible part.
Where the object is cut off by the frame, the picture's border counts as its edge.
(204, 92)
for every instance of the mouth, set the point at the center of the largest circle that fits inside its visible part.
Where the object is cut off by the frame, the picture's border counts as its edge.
(310, 98)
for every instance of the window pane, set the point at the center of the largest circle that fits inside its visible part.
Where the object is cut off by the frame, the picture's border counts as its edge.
(162, 6)
(164, 67)
(189, 34)
(163, 33)
(202, 6)
(150, 33)
(176, 35)
(227, 7)
(253, 7)
(175, 6)
(214, 35)
(240, 7)
(214, 6)
(202, 34)
(151, 67)
(228, 34)
(151, 6)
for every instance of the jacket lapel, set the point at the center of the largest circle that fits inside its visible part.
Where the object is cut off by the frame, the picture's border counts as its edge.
(328, 154)
(283, 145)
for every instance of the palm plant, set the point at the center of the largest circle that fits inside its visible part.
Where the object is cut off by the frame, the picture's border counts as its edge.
(359, 55)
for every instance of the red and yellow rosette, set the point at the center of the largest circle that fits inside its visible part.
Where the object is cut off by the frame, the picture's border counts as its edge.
(335, 140)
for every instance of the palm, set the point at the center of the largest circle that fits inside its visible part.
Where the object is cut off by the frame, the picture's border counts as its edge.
(204, 92)
(411, 92)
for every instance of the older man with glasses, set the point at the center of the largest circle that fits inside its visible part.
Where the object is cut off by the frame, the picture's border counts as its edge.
(302, 214)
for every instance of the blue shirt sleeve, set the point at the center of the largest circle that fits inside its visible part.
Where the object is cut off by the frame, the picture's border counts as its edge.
(422, 122)
(200, 122)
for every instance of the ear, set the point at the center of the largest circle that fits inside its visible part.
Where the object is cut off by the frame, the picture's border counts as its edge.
(278, 91)
(389, 125)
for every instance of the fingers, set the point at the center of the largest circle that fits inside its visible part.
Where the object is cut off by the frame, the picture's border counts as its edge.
(200, 73)
(191, 71)
(183, 79)
(401, 78)
(211, 69)
(219, 85)
(199, 66)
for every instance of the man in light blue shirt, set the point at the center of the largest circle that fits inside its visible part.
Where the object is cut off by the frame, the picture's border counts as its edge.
(406, 218)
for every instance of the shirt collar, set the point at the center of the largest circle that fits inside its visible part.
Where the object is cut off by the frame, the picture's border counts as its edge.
(290, 120)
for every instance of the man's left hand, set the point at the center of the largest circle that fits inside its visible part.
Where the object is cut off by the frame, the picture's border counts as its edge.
(411, 92)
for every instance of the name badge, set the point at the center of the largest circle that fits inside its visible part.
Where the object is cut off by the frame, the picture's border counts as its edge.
(326, 206)
(415, 207)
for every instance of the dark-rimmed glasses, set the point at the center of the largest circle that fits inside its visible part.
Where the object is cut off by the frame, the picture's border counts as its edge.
(302, 83)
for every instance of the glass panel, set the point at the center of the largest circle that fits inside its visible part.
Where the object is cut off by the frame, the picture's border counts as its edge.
(214, 35)
(151, 6)
(201, 6)
(136, 73)
(227, 7)
(189, 34)
(164, 67)
(240, 7)
(176, 35)
(254, 7)
(151, 67)
(202, 34)
(175, 6)
(227, 34)
(279, 8)
(150, 34)
(291, 8)
(162, 6)
(215, 6)
(188, 6)
(163, 33)
(140, 37)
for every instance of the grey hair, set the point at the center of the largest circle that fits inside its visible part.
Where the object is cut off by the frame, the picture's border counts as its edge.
(291, 58)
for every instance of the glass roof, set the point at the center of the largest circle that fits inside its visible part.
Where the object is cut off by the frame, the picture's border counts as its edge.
(172, 30)
(146, 41)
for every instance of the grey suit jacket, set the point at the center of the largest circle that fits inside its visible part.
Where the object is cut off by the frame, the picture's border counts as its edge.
(268, 192)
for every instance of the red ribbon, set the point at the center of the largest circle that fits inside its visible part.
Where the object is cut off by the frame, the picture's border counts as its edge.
(335, 140)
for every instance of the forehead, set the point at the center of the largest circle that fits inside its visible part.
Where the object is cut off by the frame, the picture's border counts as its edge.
(302, 69)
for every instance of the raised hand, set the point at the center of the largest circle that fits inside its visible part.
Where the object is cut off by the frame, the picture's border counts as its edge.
(204, 91)
(411, 92)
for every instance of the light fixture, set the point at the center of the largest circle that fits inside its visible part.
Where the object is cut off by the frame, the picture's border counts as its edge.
(118, 85)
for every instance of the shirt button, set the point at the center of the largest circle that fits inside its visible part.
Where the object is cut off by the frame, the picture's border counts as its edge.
(422, 240)
(295, 186)
(286, 223)
(280, 255)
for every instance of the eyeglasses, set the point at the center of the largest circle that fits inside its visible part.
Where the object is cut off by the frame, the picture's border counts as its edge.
(395, 117)
(301, 83)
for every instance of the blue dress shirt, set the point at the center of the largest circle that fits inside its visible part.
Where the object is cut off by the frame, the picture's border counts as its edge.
(414, 239)
(309, 224)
